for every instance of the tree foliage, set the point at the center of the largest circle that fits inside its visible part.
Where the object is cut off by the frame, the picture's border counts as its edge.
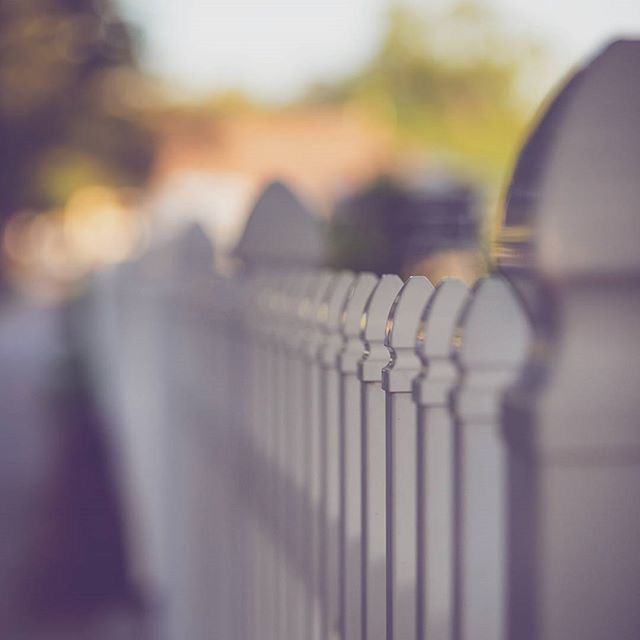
(67, 102)
(448, 83)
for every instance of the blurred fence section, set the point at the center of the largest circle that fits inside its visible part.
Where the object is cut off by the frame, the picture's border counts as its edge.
(320, 454)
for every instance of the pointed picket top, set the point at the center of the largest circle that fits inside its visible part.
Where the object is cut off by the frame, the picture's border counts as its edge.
(572, 207)
(494, 331)
(354, 345)
(187, 250)
(192, 250)
(281, 231)
(402, 333)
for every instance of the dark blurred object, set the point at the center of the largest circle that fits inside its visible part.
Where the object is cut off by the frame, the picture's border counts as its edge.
(67, 84)
(388, 226)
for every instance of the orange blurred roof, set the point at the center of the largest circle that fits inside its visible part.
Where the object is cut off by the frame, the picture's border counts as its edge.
(321, 150)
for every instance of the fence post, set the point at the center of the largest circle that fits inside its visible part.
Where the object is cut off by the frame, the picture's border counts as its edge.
(350, 448)
(374, 545)
(436, 507)
(330, 448)
(572, 423)
(401, 456)
(495, 339)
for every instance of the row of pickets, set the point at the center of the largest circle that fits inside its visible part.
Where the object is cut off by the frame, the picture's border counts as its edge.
(370, 458)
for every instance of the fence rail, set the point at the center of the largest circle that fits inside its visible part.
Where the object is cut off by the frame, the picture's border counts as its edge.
(318, 454)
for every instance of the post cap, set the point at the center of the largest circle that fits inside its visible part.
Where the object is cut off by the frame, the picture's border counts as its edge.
(572, 206)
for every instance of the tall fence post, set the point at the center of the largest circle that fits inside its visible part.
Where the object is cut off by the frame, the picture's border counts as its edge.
(401, 456)
(374, 546)
(572, 423)
(351, 450)
(436, 461)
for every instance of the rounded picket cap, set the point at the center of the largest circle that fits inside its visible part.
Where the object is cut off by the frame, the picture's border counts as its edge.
(434, 346)
(274, 298)
(315, 335)
(374, 323)
(376, 313)
(281, 231)
(284, 304)
(318, 290)
(296, 293)
(494, 331)
(572, 206)
(353, 346)
(406, 312)
(363, 287)
(332, 307)
(331, 314)
(402, 333)
(440, 319)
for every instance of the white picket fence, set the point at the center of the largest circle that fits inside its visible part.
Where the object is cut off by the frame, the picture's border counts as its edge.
(311, 454)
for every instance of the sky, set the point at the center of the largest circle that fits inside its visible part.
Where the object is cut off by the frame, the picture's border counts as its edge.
(273, 49)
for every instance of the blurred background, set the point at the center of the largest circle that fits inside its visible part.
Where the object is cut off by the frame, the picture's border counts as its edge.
(118, 116)
(122, 122)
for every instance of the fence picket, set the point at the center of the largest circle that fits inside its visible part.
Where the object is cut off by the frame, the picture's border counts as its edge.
(315, 336)
(401, 456)
(330, 448)
(495, 339)
(374, 546)
(351, 450)
(436, 507)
